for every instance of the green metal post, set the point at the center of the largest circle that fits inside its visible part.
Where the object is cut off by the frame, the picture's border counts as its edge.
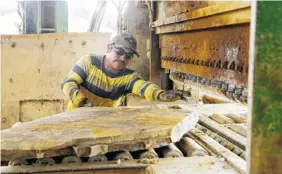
(265, 88)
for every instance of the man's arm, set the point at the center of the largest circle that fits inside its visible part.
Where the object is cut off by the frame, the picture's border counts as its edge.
(143, 88)
(76, 76)
(151, 91)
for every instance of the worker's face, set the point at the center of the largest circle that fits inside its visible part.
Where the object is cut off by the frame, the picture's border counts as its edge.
(118, 58)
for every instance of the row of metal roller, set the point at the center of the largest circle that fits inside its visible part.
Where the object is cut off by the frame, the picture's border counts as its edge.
(186, 147)
(217, 88)
(233, 148)
(230, 65)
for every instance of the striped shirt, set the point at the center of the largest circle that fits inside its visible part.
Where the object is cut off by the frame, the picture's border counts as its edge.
(106, 88)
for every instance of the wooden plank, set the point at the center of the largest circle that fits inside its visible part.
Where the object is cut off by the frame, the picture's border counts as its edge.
(109, 168)
(209, 109)
(221, 119)
(40, 63)
(215, 99)
(223, 131)
(234, 160)
(239, 128)
(203, 12)
(237, 118)
(241, 16)
(195, 165)
(86, 127)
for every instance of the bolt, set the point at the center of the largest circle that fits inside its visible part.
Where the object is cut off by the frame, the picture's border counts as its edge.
(83, 43)
(218, 84)
(208, 82)
(199, 79)
(238, 90)
(3, 120)
(202, 63)
(230, 87)
(224, 86)
(194, 78)
(203, 80)
(13, 45)
(207, 63)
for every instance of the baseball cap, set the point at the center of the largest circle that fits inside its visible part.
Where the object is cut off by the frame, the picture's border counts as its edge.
(125, 41)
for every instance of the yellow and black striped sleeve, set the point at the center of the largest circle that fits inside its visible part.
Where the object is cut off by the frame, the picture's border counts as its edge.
(143, 88)
(76, 76)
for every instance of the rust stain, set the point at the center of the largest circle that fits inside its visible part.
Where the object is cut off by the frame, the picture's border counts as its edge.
(178, 7)
(220, 54)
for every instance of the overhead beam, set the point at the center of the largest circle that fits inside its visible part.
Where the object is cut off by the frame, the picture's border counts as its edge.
(203, 12)
(241, 16)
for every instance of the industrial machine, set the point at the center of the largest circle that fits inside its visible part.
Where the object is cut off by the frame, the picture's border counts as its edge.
(205, 46)
(195, 46)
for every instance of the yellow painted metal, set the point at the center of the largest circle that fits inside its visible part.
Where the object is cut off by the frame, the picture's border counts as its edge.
(240, 16)
(32, 68)
(177, 7)
(212, 9)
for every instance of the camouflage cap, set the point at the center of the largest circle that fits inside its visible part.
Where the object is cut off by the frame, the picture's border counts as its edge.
(125, 41)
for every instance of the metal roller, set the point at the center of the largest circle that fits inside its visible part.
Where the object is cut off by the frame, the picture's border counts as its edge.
(227, 144)
(171, 151)
(191, 148)
(237, 151)
(97, 159)
(214, 91)
(243, 155)
(237, 118)
(149, 154)
(218, 139)
(18, 162)
(220, 118)
(45, 161)
(71, 159)
(123, 156)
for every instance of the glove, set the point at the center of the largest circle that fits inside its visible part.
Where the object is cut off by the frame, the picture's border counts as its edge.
(169, 96)
(79, 100)
(173, 95)
(85, 103)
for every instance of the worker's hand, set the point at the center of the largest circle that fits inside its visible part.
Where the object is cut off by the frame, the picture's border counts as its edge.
(169, 96)
(79, 100)
(85, 103)
(173, 95)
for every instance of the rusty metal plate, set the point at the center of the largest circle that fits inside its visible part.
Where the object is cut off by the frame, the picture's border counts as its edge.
(177, 7)
(220, 54)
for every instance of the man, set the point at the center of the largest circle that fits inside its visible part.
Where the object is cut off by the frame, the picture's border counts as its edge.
(104, 80)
